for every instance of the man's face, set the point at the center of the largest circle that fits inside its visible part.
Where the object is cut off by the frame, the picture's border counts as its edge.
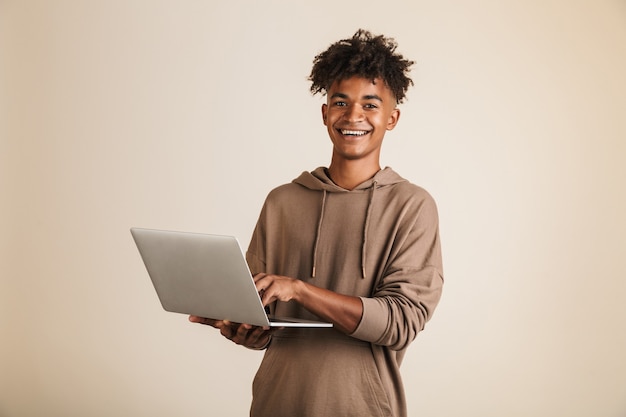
(357, 114)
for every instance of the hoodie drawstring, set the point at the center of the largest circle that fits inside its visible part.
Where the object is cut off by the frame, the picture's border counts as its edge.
(365, 229)
(317, 237)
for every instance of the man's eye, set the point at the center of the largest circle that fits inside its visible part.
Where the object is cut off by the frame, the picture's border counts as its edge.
(340, 103)
(370, 106)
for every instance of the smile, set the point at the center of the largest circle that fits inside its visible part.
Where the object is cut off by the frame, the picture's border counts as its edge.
(353, 132)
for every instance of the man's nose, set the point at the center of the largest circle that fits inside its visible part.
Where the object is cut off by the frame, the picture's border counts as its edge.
(353, 114)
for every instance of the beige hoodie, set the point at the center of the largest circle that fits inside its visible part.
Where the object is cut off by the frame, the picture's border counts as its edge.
(379, 242)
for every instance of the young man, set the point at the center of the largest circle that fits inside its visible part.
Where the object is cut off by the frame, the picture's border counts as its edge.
(352, 244)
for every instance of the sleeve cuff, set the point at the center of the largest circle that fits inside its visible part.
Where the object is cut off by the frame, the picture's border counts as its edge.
(373, 321)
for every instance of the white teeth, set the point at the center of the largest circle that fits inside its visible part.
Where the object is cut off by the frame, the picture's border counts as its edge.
(353, 132)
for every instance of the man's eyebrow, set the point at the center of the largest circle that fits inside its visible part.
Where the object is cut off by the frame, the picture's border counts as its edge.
(372, 97)
(365, 97)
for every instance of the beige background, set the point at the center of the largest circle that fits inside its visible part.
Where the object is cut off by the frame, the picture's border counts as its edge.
(184, 114)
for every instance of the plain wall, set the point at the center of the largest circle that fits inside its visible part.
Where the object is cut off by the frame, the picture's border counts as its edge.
(183, 114)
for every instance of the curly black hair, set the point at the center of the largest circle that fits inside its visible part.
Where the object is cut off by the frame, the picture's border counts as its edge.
(363, 55)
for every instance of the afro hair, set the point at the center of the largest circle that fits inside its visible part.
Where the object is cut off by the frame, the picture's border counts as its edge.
(363, 55)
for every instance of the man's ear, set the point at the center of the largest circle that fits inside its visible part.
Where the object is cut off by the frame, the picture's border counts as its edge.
(324, 110)
(393, 119)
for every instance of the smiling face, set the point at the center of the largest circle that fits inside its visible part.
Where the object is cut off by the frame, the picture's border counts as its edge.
(357, 114)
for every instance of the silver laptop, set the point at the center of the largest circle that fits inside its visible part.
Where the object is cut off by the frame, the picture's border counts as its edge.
(206, 276)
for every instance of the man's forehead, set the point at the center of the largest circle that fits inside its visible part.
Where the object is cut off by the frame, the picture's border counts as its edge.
(358, 78)
(340, 88)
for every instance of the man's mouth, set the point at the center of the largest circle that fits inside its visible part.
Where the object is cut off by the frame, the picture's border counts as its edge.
(347, 132)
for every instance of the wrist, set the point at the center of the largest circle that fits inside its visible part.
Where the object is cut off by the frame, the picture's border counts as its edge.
(299, 291)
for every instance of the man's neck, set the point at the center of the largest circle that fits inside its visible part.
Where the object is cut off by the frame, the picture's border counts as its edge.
(349, 174)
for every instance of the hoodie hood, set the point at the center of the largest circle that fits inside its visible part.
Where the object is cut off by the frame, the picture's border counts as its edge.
(318, 180)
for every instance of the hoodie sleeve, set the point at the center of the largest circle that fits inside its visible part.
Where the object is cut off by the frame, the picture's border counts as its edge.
(406, 296)
(255, 255)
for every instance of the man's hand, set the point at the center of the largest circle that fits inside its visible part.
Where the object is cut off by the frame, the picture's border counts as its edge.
(276, 287)
(342, 310)
(252, 337)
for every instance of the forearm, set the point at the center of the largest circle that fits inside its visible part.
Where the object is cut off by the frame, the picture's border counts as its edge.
(343, 311)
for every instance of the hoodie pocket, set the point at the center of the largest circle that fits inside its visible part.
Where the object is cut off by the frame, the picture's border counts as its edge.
(318, 377)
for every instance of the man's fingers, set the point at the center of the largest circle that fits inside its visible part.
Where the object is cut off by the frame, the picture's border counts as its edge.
(241, 334)
(228, 329)
(259, 276)
(203, 320)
